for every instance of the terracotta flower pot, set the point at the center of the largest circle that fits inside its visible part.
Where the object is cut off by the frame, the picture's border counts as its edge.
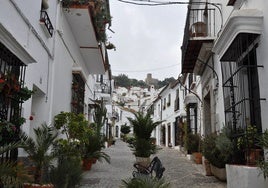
(197, 157)
(87, 163)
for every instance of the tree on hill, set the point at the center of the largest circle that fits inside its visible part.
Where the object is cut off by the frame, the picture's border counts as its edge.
(165, 82)
(122, 80)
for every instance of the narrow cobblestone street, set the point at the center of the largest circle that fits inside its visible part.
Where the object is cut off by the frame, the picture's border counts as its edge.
(180, 172)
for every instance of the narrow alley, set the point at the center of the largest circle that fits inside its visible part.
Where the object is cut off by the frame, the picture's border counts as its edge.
(180, 172)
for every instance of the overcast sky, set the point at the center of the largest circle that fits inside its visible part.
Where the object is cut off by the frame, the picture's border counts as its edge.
(147, 40)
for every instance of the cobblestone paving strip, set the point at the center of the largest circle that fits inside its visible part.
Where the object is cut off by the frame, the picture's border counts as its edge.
(180, 172)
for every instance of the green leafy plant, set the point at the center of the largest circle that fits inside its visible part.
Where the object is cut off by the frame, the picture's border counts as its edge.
(143, 125)
(125, 130)
(93, 145)
(145, 182)
(249, 139)
(11, 173)
(38, 149)
(67, 173)
(263, 164)
(71, 124)
(218, 149)
(192, 142)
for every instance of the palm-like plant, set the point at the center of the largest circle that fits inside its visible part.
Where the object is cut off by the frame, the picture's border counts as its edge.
(38, 149)
(143, 126)
(145, 182)
(92, 148)
(10, 172)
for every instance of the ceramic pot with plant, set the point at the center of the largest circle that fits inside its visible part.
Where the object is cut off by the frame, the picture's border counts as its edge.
(143, 125)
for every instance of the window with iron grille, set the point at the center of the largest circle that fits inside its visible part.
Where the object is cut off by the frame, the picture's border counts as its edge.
(78, 94)
(12, 73)
(241, 84)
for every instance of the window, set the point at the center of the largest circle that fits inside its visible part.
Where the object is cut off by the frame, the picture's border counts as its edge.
(177, 100)
(12, 70)
(78, 93)
(241, 84)
(169, 100)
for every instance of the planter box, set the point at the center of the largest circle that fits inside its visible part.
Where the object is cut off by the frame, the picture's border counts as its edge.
(240, 176)
(219, 173)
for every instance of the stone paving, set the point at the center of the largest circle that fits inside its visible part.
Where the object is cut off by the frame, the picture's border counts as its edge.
(180, 172)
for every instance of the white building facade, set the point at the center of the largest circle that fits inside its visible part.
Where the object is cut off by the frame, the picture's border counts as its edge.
(63, 52)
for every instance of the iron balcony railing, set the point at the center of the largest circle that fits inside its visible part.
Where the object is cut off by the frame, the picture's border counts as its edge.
(104, 87)
(200, 27)
(44, 20)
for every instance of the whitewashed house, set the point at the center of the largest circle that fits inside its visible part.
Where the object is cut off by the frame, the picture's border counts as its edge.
(167, 107)
(56, 50)
(225, 43)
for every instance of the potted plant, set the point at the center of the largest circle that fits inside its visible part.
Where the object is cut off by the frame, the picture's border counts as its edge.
(94, 140)
(193, 146)
(92, 150)
(142, 146)
(38, 149)
(247, 144)
(125, 130)
(11, 173)
(263, 164)
(145, 181)
(67, 172)
(218, 150)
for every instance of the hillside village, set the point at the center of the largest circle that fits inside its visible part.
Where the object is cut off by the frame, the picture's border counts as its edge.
(54, 64)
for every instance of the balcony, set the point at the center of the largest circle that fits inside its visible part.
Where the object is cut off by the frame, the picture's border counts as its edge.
(200, 28)
(46, 23)
(82, 17)
(103, 90)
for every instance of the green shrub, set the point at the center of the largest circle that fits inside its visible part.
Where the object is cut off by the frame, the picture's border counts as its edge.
(145, 182)
(217, 149)
(263, 164)
(192, 142)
